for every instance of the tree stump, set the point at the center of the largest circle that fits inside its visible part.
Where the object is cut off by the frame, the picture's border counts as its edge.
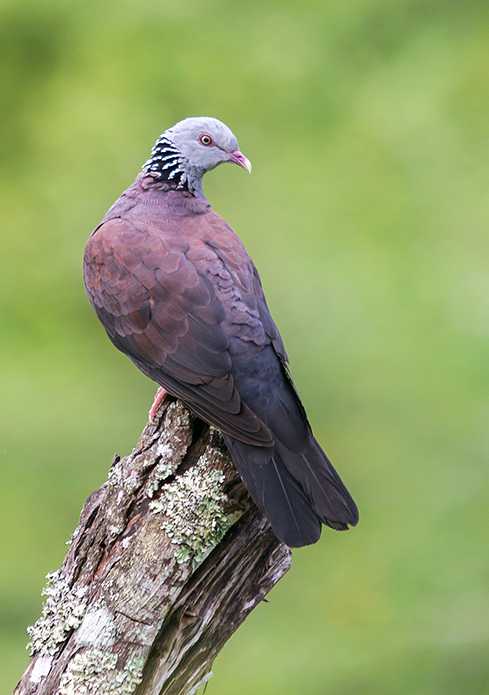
(169, 558)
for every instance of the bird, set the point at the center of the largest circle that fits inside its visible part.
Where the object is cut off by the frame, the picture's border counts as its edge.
(177, 292)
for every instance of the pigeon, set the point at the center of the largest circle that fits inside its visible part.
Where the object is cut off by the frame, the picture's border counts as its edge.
(178, 294)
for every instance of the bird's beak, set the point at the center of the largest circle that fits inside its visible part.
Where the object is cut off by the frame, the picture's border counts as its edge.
(238, 158)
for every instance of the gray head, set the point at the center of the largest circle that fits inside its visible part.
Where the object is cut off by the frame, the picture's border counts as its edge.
(188, 149)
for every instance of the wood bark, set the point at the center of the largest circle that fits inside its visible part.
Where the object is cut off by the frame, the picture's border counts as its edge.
(169, 558)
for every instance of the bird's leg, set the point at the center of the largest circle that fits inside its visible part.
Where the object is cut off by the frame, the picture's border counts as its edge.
(160, 396)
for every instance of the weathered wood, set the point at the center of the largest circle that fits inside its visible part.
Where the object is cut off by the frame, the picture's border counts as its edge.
(169, 558)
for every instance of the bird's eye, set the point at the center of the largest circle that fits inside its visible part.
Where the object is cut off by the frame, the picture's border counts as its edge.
(205, 140)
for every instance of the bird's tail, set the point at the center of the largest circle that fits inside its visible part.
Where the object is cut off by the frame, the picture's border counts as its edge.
(296, 491)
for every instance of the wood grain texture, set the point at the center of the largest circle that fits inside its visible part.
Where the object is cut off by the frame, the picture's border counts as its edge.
(169, 558)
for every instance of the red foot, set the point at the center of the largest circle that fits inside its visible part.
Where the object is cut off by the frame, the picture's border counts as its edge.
(160, 396)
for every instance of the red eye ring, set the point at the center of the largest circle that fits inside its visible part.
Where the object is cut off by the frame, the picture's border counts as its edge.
(205, 140)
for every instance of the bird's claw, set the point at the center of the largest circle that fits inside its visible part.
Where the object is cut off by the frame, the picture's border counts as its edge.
(160, 396)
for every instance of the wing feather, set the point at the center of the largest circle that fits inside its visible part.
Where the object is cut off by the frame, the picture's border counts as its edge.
(163, 311)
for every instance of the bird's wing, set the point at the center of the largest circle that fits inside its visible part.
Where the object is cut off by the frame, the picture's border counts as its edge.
(269, 324)
(168, 309)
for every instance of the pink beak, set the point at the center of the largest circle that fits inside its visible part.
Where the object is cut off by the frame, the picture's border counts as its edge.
(238, 158)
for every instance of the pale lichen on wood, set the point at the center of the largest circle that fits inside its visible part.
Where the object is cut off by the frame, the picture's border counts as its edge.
(95, 672)
(159, 573)
(193, 508)
(62, 613)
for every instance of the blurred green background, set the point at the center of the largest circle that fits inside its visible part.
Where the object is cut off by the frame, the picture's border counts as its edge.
(367, 215)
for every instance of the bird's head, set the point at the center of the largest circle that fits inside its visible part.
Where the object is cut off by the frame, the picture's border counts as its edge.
(190, 148)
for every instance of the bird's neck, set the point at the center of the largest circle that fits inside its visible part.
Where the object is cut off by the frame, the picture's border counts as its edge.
(167, 164)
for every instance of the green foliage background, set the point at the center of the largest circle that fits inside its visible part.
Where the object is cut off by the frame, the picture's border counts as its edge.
(367, 214)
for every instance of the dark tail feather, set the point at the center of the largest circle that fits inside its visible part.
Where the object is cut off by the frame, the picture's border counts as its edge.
(295, 491)
(322, 485)
(276, 493)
